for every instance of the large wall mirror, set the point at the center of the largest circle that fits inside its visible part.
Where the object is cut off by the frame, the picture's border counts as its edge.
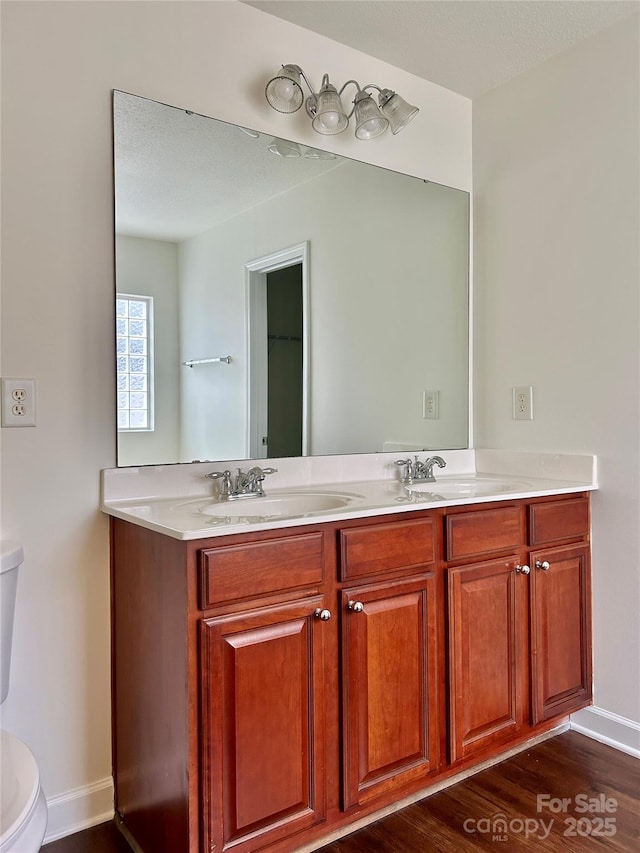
(275, 300)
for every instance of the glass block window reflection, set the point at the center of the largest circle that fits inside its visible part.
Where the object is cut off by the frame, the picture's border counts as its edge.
(134, 356)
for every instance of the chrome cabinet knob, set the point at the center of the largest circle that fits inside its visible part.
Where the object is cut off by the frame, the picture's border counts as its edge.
(523, 570)
(324, 615)
(545, 565)
(355, 606)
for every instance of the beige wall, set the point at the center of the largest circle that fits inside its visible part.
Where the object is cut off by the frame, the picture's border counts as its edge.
(556, 185)
(60, 62)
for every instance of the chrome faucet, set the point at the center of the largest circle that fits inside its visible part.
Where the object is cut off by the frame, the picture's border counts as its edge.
(419, 472)
(427, 467)
(242, 484)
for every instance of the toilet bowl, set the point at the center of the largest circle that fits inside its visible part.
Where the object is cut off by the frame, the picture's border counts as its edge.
(23, 809)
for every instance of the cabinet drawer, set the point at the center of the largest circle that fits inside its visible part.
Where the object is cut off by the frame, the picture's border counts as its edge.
(558, 520)
(386, 547)
(238, 572)
(483, 532)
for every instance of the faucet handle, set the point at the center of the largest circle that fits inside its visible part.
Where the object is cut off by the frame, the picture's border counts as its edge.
(225, 488)
(402, 462)
(259, 473)
(215, 475)
(407, 476)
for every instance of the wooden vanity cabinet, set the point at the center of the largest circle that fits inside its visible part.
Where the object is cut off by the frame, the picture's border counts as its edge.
(220, 680)
(389, 657)
(153, 691)
(487, 656)
(271, 687)
(269, 676)
(487, 627)
(519, 620)
(263, 730)
(263, 671)
(560, 607)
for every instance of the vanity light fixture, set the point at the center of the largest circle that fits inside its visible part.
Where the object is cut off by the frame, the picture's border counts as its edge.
(325, 109)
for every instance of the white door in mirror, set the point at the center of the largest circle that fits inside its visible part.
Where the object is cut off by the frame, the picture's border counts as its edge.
(18, 402)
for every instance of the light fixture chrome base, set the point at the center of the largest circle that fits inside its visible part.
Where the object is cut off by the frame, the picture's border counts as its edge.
(327, 114)
(311, 106)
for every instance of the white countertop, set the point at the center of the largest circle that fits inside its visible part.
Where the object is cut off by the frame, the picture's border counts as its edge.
(177, 500)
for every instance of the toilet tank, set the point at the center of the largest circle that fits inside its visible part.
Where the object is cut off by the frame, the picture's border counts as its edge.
(11, 557)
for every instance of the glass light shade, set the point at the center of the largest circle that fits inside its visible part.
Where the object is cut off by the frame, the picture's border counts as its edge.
(369, 120)
(284, 91)
(330, 117)
(396, 109)
(284, 148)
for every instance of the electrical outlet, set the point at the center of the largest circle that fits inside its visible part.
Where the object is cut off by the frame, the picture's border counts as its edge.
(431, 405)
(523, 403)
(18, 402)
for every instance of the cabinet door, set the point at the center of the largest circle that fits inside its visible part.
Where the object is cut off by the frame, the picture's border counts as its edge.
(389, 692)
(263, 725)
(560, 631)
(487, 610)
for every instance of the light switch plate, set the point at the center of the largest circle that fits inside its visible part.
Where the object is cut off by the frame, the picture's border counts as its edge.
(18, 402)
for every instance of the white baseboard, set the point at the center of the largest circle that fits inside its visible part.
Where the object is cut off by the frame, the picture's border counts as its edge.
(79, 809)
(607, 727)
(93, 804)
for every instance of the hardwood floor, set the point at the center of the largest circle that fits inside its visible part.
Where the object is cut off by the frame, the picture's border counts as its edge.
(105, 838)
(593, 804)
(462, 818)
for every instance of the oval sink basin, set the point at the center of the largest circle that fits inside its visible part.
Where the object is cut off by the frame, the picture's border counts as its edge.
(467, 487)
(280, 506)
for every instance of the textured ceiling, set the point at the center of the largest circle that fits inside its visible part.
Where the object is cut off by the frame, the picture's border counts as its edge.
(178, 174)
(468, 46)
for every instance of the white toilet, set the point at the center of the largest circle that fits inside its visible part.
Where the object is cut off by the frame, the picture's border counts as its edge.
(23, 808)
